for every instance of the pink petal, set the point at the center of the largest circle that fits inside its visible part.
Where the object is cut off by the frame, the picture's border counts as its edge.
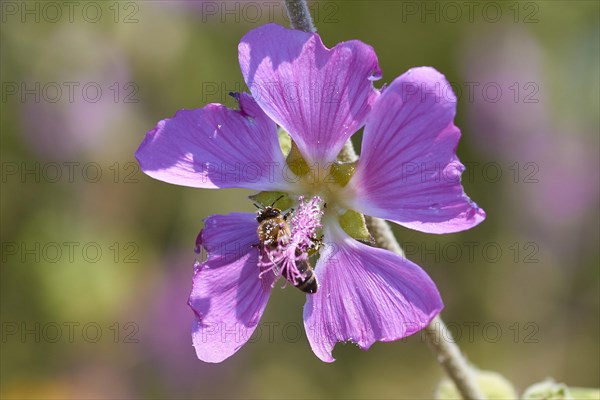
(227, 297)
(320, 96)
(215, 147)
(366, 294)
(408, 170)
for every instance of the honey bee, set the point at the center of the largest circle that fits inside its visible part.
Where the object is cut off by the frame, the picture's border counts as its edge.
(273, 230)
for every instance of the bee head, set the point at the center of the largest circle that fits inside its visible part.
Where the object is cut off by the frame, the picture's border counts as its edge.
(267, 212)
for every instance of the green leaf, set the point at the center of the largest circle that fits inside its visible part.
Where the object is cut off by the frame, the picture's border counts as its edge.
(342, 172)
(296, 162)
(585, 393)
(548, 390)
(353, 223)
(277, 199)
(493, 385)
(285, 141)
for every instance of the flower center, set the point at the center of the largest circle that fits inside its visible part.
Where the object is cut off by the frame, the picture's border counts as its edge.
(289, 255)
(323, 180)
(325, 184)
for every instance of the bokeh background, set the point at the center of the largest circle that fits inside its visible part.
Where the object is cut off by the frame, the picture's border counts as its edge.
(97, 257)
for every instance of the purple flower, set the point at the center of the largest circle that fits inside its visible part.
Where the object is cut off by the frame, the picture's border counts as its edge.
(408, 173)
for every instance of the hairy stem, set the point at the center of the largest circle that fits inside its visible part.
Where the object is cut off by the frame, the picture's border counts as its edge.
(438, 336)
(452, 360)
(347, 154)
(440, 339)
(383, 235)
(299, 15)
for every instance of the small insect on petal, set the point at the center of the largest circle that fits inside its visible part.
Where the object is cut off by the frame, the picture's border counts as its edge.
(285, 243)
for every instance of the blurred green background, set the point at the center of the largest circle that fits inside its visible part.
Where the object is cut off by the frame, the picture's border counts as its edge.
(97, 257)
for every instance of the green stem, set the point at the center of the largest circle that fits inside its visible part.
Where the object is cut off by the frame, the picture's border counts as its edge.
(452, 360)
(438, 336)
(299, 15)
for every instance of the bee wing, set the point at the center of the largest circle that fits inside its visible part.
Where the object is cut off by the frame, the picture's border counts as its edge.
(267, 255)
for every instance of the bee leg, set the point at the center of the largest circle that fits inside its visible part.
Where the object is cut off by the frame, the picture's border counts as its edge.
(316, 242)
(316, 239)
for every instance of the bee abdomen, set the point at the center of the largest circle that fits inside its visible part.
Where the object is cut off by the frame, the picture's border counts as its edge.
(309, 283)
